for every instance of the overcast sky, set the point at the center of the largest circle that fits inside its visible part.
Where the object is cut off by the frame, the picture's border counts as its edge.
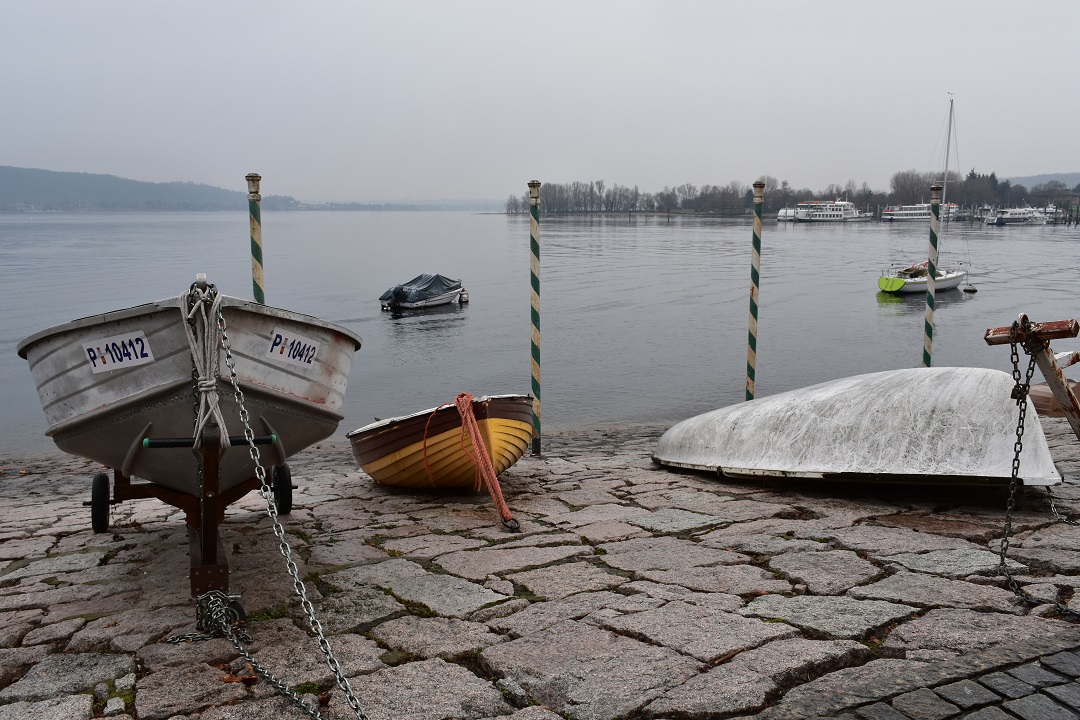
(342, 100)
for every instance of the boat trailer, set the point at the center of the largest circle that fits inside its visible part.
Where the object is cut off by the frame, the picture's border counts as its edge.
(1034, 338)
(209, 568)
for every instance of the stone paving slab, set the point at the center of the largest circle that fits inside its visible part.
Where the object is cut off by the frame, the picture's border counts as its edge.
(632, 593)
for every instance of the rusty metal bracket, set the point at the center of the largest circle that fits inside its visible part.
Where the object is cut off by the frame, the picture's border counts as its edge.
(1035, 339)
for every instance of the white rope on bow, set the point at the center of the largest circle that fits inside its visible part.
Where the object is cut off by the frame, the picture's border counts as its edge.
(204, 340)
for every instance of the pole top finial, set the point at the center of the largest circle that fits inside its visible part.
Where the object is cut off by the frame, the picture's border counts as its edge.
(759, 184)
(253, 182)
(534, 189)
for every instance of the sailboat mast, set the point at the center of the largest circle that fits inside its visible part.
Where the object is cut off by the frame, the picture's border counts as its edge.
(948, 143)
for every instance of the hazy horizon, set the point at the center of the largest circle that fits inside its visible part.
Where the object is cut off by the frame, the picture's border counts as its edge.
(412, 102)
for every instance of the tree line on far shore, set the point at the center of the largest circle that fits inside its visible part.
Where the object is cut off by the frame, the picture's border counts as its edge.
(907, 187)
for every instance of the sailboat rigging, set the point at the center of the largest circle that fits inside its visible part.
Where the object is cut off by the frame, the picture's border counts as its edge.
(915, 278)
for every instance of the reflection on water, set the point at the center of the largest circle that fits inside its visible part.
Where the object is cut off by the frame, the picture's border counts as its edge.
(642, 321)
(915, 303)
(419, 335)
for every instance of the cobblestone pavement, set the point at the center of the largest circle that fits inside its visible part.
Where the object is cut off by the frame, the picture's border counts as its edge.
(632, 592)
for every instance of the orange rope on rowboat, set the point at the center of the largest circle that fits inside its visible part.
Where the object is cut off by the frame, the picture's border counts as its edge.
(485, 471)
(484, 468)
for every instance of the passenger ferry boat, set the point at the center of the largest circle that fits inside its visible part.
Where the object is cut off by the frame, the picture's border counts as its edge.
(827, 211)
(897, 213)
(1016, 216)
(919, 211)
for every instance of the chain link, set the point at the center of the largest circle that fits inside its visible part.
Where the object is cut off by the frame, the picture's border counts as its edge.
(1020, 394)
(219, 614)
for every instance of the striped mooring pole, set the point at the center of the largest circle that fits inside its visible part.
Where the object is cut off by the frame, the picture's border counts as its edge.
(755, 281)
(257, 283)
(534, 279)
(931, 274)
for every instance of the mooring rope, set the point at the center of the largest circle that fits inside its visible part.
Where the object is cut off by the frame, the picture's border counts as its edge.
(485, 471)
(203, 340)
(484, 468)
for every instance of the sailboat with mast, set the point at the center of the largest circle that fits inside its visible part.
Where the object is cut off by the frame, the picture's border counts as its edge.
(915, 278)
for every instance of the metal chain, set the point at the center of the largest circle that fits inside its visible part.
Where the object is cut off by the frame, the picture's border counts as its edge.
(286, 552)
(205, 623)
(1020, 394)
(1053, 508)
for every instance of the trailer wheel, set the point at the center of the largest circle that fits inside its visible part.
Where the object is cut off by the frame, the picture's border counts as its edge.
(235, 612)
(99, 503)
(282, 486)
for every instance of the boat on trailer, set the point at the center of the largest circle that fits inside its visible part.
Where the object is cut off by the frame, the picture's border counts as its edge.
(431, 450)
(952, 425)
(151, 392)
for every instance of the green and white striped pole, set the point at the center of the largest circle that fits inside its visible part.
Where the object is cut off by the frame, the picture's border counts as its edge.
(534, 279)
(931, 274)
(257, 283)
(755, 281)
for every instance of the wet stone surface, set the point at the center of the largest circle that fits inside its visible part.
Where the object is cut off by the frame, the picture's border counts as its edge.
(632, 593)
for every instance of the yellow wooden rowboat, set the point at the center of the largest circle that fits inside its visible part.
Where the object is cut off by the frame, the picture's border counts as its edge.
(430, 449)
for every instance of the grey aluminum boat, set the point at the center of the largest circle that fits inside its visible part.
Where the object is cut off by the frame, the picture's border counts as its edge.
(946, 425)
(109, 382)
(164, 391)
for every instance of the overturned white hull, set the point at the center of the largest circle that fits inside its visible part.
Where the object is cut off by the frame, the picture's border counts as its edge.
(952, 425)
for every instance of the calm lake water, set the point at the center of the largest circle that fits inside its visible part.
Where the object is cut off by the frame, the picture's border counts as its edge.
(643, 320)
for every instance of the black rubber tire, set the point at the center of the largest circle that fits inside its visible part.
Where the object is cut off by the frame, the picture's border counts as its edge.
(235, 611)
(281, 476)
(99, 503)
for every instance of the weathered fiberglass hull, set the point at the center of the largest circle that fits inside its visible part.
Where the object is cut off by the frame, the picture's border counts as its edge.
(107, 382)
(934, 425)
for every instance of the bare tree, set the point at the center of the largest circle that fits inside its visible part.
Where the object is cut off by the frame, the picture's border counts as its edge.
(685, 192)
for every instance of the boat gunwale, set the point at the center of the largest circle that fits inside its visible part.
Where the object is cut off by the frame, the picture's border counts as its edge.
(429, 411)
(166, 304)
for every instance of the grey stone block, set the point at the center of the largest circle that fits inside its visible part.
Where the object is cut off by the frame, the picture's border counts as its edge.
(1066, 694)
(1007, 685)
(923, 704)
(880, 711)
(1039, 707)
(967, 694)
(1036, 675)
(1066, 663)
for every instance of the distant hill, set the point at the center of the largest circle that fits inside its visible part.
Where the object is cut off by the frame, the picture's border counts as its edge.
(30, 190)
(1071, 180)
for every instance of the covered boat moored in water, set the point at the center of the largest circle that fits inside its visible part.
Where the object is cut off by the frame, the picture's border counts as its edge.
(424, 291)
(922, 425)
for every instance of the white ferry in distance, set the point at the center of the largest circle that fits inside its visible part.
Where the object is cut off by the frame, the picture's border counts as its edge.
(906, 213)
(1016, 216)
(827, 211)
(919, 211)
